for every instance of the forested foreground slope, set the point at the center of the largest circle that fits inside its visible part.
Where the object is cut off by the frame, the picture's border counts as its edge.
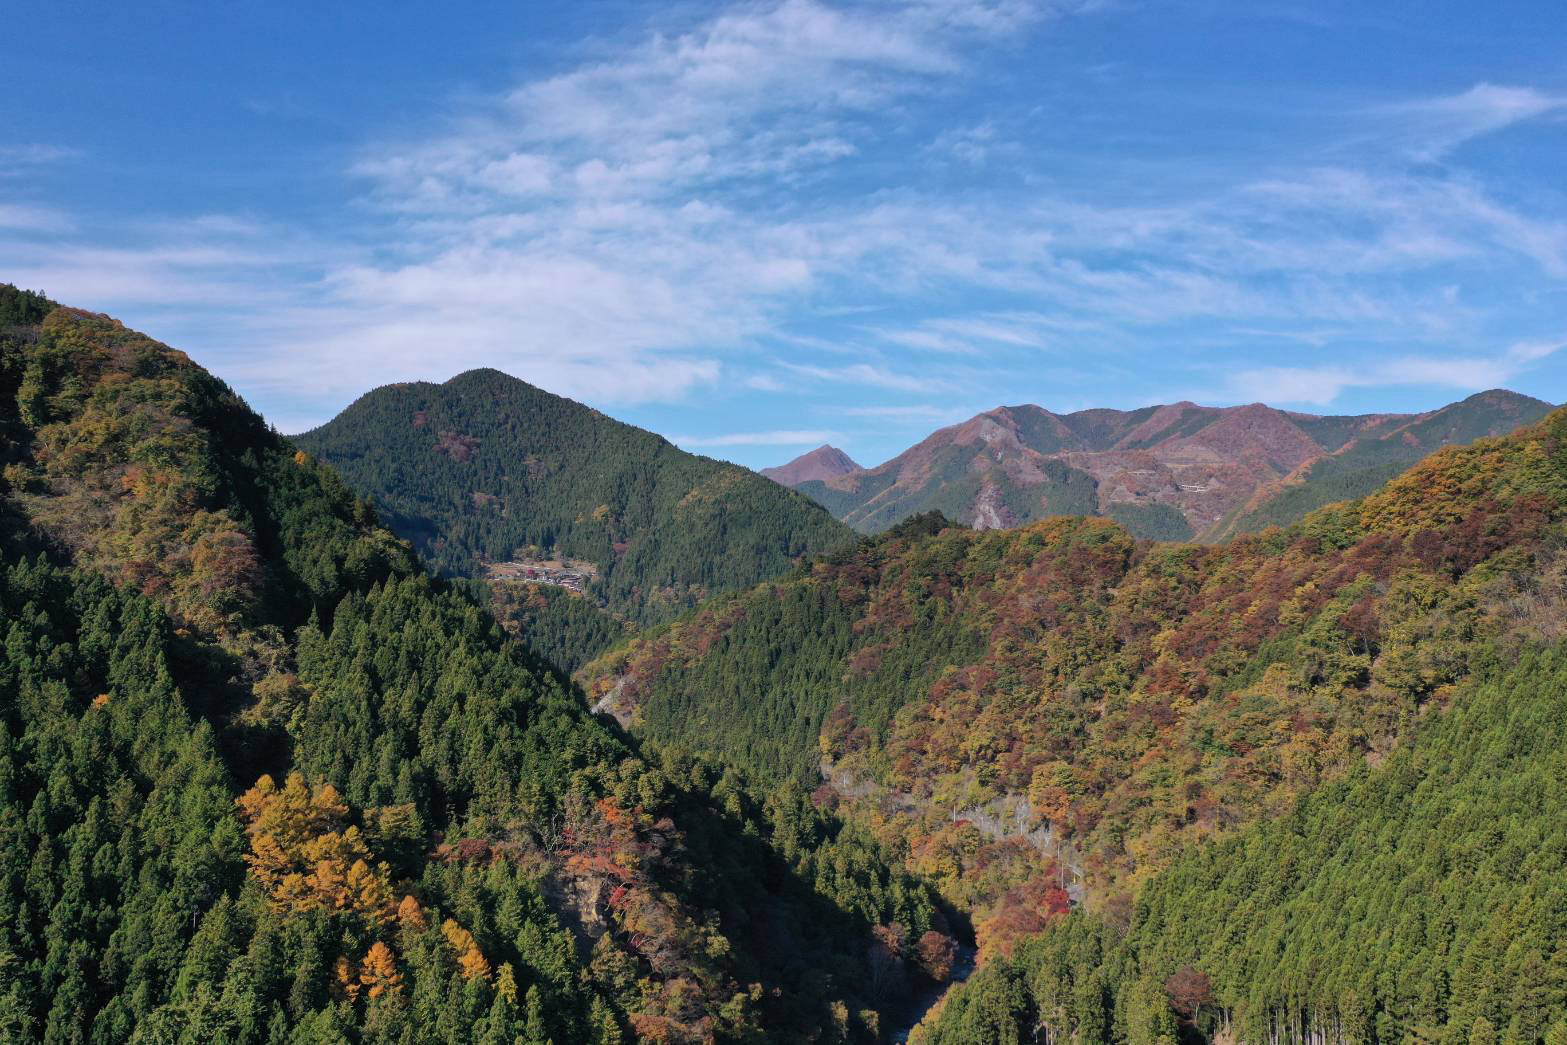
(264, 780)
(1021, 710)
(1423, 900)
(485, 467)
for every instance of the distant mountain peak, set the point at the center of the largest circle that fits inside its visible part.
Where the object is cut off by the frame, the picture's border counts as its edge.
(823, 463)
(1506, 398)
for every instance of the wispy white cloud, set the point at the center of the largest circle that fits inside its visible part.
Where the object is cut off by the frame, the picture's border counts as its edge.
(762, 383)
(865, 375)
(928, 340)
(980, 334)
(1379, 222)
(923, 413)
(23, 218)
(1430, 128)
(18, 159)
(776, 437)
(1005, 329)
(760, 91)
(973, 145)
(250, 269)
(1322, 385)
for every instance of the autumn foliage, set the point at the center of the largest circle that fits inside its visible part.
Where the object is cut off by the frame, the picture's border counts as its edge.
(378, 972)
(306, 854)
(996, 702)
(189, 600)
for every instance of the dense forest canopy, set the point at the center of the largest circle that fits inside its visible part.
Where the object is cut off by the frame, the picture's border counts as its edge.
(263, 779)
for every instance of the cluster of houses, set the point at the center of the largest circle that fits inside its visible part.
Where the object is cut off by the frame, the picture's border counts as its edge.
(571, 575)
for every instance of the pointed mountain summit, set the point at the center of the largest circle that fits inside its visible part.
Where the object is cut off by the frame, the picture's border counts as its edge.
(824, 462)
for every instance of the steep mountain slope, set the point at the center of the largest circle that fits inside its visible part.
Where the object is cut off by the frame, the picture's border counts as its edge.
(486, 468)
(1377, 455)
(1017, 707)
(824, 462)
(1425, 899)
(263, 779)
(1168, 472)
(995, 470)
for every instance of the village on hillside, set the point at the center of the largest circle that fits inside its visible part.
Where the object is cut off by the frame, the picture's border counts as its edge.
(572, 574)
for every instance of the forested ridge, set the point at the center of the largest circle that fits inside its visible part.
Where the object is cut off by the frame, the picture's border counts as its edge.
(486, 467)
(1024, 711)
(263, 779)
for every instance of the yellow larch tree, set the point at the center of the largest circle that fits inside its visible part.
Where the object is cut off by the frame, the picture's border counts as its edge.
(475, 966)
(378, 972)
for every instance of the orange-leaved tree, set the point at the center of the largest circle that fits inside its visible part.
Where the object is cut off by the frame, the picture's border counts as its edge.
(307, 855)
(474, 965)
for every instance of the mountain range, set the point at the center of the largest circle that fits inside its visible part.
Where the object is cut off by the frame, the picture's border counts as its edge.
(1172, 472)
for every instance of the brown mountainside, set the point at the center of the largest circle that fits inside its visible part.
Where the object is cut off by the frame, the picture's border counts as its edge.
(1176, 471)
(824, 462)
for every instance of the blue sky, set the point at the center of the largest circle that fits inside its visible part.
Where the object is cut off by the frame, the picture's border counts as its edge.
(756, 227)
